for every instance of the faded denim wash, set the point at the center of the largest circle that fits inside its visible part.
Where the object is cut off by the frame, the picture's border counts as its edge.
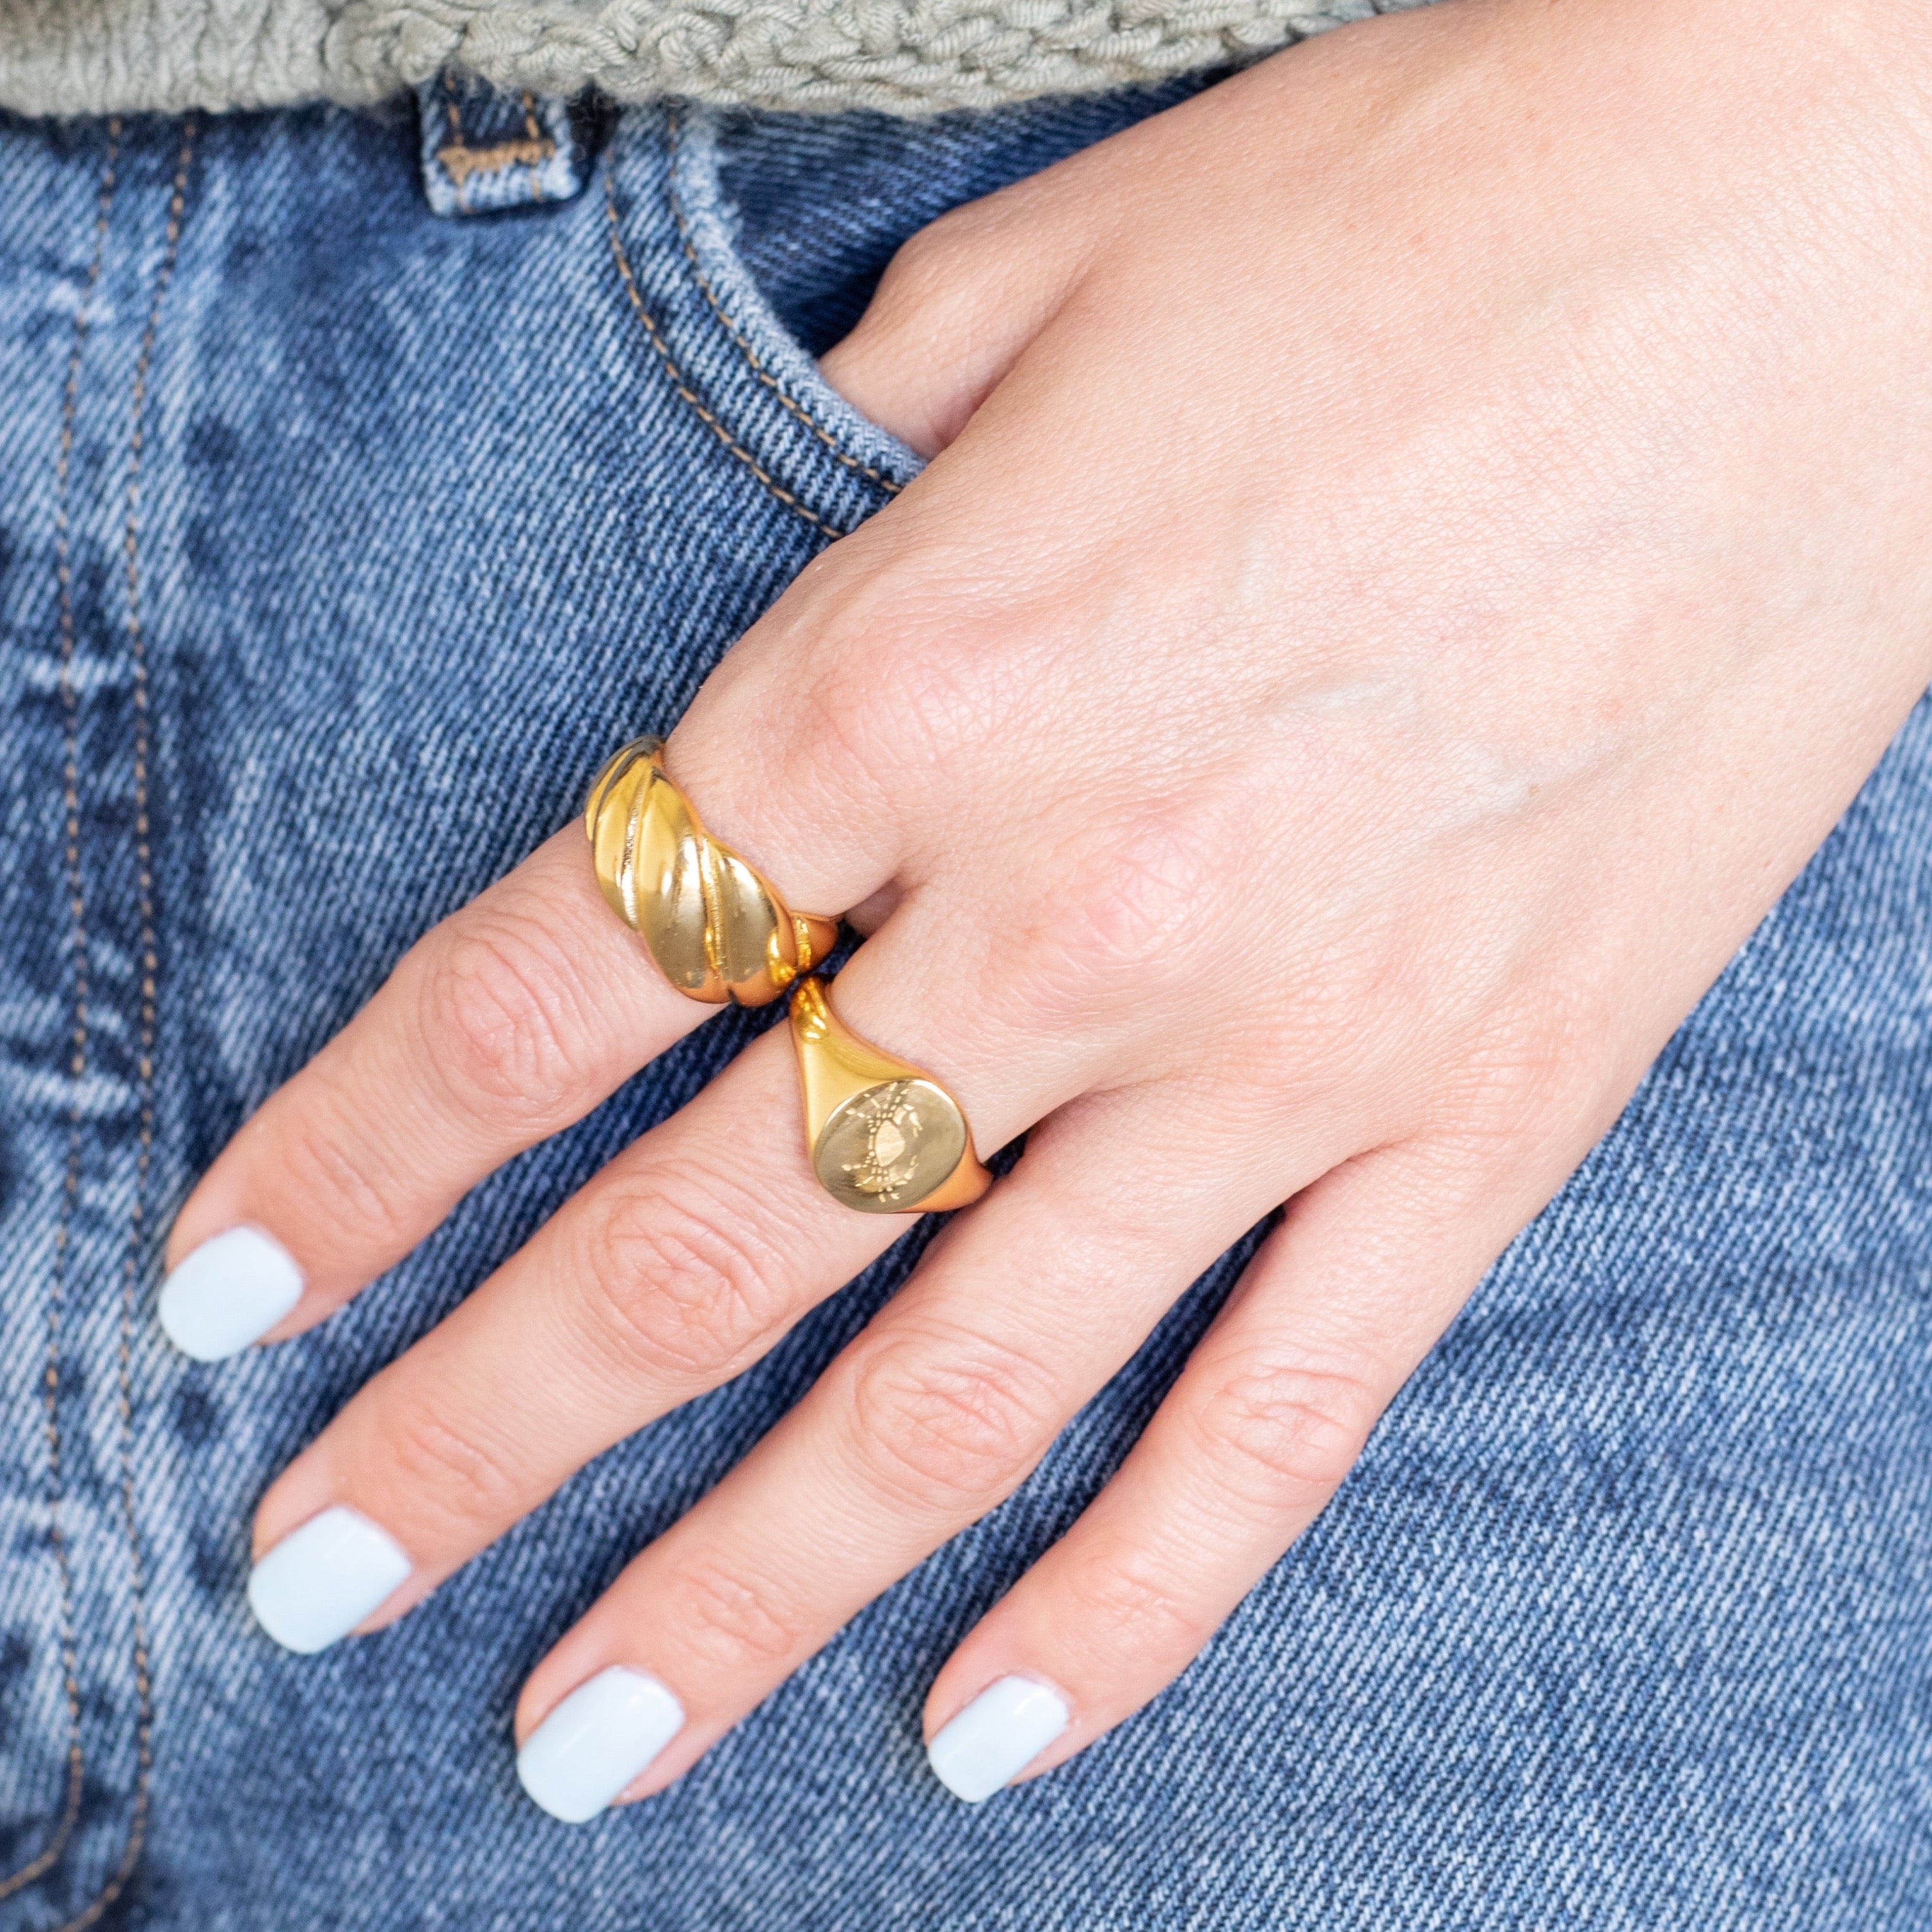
(339, 539)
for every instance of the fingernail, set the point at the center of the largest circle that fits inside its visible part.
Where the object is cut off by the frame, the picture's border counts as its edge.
(596, 1741)
(321, 1580)
(231, 1290)
(996, 1736)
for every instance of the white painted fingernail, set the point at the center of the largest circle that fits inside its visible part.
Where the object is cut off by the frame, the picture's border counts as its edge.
(596, 1741)
(321, 1580)
(231, 1290)
(996, 1736)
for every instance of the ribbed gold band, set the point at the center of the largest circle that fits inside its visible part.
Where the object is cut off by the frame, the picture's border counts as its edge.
(716, 926)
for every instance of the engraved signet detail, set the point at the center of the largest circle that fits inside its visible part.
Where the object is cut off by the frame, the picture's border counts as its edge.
(886, 1149)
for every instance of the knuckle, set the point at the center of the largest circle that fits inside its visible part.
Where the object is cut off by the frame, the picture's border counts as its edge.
(338, 1169)
(911, 660)
(496, 998)
(1283, 1435)
(1527, 1056)
(729, 1617)
(949, 1426)
(902, 675)
(1122, 919)
(682, 1284)
(829, 756)
(460, 1481)
(891, 694)
(1132, 1597)
(841, 720)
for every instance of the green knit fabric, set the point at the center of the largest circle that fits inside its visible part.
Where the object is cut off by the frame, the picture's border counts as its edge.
(908, 57)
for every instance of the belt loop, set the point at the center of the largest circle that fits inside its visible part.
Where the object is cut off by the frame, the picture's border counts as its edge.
(483, 149)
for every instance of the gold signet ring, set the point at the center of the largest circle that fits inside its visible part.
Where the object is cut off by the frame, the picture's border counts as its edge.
(884, 1138)
(714, 925)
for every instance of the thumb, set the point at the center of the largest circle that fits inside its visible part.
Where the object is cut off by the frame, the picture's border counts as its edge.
(956, 310)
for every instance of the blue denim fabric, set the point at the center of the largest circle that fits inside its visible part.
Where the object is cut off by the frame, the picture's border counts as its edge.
(339, 540)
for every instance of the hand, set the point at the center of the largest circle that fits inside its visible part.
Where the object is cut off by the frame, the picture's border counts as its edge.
(1425, 539)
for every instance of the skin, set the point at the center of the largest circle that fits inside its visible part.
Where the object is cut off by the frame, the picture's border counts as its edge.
(1423, 542)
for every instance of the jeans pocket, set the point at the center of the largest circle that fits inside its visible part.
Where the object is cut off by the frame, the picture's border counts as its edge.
(714, 333)
(785, 368)
(750, 241)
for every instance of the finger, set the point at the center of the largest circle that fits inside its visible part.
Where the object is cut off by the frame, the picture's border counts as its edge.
(929, 1419)
(509, 1021)
(1269, 1416)
(672, 1270)
(511, 1018)
(686, 1259)
(955, 309)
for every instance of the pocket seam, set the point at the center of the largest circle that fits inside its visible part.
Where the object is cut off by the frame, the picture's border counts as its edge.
(890, 485)
(690, 396)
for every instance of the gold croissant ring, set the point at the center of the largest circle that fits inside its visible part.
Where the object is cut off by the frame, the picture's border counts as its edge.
(885, 1137)
(717, 928)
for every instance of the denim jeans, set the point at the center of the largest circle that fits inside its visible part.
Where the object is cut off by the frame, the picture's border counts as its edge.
(340, 540)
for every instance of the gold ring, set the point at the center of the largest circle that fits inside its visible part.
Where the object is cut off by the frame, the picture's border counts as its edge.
(884, 1138)
(716, 927)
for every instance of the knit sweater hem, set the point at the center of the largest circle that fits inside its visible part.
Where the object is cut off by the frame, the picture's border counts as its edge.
(903, 57)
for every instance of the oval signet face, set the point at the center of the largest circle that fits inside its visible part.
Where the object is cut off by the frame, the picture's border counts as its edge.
(886, 1149)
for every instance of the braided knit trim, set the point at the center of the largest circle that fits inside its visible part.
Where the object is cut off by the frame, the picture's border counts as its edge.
(904, 57)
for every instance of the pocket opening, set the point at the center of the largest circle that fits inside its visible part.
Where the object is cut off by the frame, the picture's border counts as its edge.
(785, 374)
